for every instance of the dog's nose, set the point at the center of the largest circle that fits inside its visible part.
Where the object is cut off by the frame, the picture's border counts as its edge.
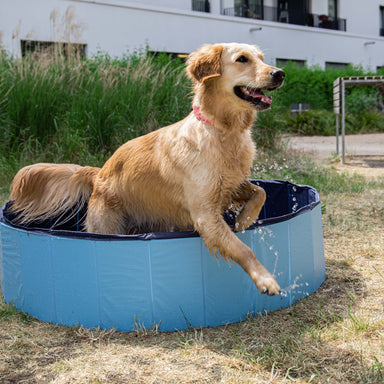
(277, 74)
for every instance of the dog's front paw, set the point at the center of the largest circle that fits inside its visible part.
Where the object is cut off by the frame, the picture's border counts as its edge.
(267, 284)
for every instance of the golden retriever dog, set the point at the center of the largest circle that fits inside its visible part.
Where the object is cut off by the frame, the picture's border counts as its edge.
(180, 177)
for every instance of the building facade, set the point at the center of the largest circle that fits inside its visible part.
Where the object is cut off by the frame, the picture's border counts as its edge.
(328, 33)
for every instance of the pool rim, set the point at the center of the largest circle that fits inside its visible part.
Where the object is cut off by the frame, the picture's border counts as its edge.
(81, 235)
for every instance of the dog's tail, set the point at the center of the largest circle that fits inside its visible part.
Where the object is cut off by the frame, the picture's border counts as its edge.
(42, 191)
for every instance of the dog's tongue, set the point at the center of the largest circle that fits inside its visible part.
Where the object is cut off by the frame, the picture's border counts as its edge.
(265, 98)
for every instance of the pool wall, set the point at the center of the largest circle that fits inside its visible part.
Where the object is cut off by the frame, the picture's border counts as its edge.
(173, 283)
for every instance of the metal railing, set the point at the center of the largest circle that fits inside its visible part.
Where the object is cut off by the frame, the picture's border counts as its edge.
(286, 16)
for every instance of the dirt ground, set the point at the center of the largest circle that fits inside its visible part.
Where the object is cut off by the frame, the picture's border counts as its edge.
(364, 153)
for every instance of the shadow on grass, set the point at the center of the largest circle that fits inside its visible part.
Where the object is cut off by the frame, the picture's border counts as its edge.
(313, 340)
(306, 341)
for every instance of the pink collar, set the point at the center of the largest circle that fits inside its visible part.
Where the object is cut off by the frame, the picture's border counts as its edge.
(199, 116)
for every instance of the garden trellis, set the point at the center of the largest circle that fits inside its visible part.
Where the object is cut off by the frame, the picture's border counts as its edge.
(339, 102)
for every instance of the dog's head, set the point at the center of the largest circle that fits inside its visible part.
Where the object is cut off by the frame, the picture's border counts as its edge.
(238, 71)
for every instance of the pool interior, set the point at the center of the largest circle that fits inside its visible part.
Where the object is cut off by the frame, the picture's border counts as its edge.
(284, 201)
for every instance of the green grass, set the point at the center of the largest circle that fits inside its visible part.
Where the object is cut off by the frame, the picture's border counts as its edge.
(79, 111)
(281, 164)
(52, 109)
(9, 313)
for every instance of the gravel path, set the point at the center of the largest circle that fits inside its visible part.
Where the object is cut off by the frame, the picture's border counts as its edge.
(369, 147)
(324, 147)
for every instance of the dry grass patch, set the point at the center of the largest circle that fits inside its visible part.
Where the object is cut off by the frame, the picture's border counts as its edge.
(335, 335)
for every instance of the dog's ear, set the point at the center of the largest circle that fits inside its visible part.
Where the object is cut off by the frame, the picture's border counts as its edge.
(205, 63)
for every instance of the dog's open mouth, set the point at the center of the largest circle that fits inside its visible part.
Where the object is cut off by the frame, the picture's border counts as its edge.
(255, 96)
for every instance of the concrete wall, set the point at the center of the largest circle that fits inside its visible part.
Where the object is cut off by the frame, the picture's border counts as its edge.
(173, 4)
(319, 7)
(363, 17)
(117, 26)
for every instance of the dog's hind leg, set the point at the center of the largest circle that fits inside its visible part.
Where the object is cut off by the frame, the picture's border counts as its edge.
(218, 236)
(102, 218)
(254, 198)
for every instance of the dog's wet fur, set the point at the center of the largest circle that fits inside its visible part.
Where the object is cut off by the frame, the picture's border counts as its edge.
(179, 177)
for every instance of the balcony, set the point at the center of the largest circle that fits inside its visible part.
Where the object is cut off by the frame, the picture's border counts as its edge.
(290, 16)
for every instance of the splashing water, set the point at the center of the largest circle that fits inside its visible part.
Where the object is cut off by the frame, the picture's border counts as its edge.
(272, 169)
(265, 234)
(296, 287)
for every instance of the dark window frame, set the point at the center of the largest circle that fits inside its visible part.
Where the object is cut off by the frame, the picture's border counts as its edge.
(52, 48)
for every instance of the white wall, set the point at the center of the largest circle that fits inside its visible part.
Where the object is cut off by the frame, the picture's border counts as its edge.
(129, 25)
(175, 4)
(319, 7)
(270, 3)
(363, 17)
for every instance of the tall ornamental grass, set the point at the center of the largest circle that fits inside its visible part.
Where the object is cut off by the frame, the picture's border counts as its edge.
(54, 109)
(80, 110)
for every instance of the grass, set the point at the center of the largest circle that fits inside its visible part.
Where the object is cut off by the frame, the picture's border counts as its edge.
(55, 109)
(278, 163)
(52, 109)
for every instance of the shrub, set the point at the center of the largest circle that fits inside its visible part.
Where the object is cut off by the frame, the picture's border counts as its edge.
(313, 122)
(365, 122)
(314, 86)
(269, 126)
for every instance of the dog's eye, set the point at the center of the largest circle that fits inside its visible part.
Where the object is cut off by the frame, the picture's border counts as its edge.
(242, 59)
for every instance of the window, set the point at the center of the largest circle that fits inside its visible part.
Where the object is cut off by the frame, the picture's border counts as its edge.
(52, 48)
(201, 6)
(332, 9)
(336, 66)
(297, 12)
(292, 11)
(253, 9)
(285, 62)
(381, 21)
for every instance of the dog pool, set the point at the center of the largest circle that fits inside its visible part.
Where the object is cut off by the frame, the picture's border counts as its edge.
(165, 280)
